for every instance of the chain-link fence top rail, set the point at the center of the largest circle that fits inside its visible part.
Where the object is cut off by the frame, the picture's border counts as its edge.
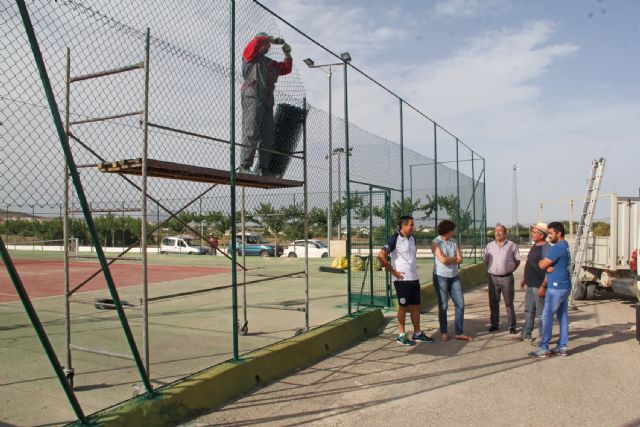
(189, 83)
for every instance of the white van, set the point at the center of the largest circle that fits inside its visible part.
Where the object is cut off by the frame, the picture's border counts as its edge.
(181, 245)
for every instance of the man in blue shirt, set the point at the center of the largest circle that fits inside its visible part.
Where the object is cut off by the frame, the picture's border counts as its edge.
(556, 262)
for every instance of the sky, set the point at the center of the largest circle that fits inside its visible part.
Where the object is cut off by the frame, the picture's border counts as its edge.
(546, 85)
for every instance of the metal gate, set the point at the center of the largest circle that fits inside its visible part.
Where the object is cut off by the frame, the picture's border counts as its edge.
(370, 228)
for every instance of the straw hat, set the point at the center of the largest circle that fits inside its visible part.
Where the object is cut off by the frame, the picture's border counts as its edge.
(542, 227)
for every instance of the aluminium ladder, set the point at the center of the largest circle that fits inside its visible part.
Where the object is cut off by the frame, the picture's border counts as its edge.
(579, 249)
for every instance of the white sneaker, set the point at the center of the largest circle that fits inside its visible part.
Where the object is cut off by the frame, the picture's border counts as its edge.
(246, 171)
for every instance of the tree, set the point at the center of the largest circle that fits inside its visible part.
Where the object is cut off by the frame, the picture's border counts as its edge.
(267, 216)
(294, 221)
(220, 221)
(462, 217)
(105, 226)
(601, 229)
(400, 208)
(177, 224)
(317, 222)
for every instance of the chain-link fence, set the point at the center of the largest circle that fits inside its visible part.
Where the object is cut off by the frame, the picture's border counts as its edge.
(151, 81)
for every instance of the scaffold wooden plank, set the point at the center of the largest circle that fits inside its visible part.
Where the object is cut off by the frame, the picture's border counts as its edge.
(170, 170)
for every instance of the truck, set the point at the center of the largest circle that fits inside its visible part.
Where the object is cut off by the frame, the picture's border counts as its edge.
(609, 261)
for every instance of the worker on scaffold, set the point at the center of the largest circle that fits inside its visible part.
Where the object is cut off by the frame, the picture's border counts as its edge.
(260, 75)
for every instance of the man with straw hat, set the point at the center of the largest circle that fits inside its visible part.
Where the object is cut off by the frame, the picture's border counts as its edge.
(533, 278)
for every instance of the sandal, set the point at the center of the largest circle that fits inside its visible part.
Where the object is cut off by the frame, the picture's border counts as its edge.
(444, 337)
(463, 337)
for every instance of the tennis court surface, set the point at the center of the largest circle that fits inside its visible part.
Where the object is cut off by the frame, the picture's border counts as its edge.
(45, 278)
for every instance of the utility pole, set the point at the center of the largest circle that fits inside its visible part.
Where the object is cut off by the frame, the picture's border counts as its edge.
(515, 168)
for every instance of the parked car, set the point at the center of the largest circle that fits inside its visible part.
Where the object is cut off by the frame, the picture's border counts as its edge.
(181, 245)
(256, 246)
(317, 249)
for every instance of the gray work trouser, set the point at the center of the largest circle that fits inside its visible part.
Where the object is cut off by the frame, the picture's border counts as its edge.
(533, 305)
(257, 132)
(501, 285)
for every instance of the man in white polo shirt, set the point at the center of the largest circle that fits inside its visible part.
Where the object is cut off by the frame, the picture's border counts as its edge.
(402, 249)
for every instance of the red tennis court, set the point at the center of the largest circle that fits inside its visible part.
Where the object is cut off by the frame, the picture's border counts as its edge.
(45, 278)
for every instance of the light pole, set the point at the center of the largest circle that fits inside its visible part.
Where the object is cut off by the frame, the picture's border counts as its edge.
(339, 152)
(329, 68)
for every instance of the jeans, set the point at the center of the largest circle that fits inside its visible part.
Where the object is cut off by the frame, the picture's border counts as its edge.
(533, 306)
(445, 287)
(502, 286)
(556, 302)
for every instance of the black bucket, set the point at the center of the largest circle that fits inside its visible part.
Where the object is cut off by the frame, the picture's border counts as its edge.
(288, 128)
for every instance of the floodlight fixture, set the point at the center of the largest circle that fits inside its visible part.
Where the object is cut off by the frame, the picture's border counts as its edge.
(345, 56)
(309, 62)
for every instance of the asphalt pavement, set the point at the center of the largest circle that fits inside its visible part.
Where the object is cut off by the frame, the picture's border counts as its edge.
(489, 381)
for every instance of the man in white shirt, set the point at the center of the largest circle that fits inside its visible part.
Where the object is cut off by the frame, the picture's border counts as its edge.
(402, 249)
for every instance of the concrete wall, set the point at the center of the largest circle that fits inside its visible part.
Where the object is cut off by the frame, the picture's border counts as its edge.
(470, 277)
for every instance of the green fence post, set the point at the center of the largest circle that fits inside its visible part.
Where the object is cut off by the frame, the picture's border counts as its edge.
(232, 175)
(484, 203)
(75, 177)
(371, 241)
(411, 185)
(473, 202)
(42, 335)
(348, 187)
(387, 212)
(435, 169)
(402, 162)
(458, 193)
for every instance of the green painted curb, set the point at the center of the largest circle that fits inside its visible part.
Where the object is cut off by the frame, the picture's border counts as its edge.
(214, 386)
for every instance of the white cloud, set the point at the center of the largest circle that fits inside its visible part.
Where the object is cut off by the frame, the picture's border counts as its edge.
(496, 72)
(493, 93)
(468, 8)
(343, 27)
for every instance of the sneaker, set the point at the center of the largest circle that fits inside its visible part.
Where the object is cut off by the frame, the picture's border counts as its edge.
(421, 336)
(513, 331)
(246, 171)
(402, 339)
(540, 353)
(527, 338)
(560, 351)
(493, 328)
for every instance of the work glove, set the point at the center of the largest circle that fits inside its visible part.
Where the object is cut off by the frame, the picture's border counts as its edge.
(276, 40)
(286, 49)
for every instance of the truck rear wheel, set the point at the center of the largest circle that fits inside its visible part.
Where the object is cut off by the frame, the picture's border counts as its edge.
(580, 292)
(264, 254)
